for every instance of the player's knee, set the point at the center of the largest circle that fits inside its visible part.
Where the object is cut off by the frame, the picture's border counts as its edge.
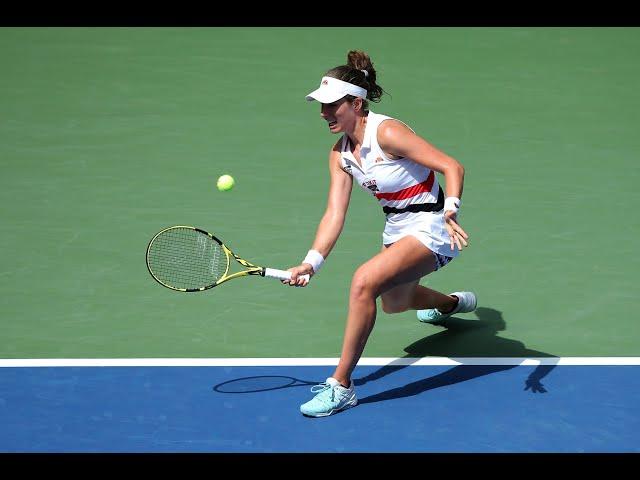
(361, 284)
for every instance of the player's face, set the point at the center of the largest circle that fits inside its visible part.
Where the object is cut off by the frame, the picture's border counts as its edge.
(340, 115)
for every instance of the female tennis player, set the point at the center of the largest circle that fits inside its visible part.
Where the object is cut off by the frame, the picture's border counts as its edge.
(421, 235)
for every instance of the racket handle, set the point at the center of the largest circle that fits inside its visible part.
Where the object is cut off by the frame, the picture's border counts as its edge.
(280, 274)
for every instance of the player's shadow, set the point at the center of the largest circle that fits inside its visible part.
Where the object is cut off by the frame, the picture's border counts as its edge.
(462, 338)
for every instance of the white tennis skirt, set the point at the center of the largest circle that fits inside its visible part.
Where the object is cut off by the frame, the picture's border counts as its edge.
(427, 227)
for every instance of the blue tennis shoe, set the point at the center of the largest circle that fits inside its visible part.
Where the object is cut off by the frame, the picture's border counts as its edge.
(331, 397)
(467, 302)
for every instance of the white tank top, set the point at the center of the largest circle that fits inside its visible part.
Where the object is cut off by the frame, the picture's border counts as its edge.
(398, 184)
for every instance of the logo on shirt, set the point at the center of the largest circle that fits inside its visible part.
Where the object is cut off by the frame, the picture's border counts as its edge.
(371, 185)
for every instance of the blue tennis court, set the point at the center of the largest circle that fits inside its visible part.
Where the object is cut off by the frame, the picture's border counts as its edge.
(244, 409)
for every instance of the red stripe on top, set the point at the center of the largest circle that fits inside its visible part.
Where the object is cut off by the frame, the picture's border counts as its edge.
(409, 191)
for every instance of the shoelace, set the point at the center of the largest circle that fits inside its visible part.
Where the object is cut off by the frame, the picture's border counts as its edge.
(433, 313)
(322, 387)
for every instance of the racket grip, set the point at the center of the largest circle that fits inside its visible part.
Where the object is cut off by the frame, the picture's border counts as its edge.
(280, 274)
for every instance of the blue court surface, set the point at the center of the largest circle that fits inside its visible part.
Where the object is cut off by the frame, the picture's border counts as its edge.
(254, 409)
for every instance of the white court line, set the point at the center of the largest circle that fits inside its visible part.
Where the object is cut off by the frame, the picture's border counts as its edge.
(292, 362)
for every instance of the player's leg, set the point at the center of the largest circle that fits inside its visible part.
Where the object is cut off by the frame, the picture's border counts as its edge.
(404, 262)
(413, 296)
(431, 305)
(398, 267)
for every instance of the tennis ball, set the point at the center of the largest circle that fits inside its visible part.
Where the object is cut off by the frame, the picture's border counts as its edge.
(225, 182)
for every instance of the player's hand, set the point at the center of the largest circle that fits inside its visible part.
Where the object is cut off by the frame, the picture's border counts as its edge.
(457, 235)
(297, 279)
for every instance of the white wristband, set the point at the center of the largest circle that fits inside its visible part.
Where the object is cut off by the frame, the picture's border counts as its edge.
(315, 259)
(452, 203)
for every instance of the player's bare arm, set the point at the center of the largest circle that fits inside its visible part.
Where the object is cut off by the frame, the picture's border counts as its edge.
(398, 140)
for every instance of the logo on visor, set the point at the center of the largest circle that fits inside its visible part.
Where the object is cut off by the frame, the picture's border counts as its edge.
(324, 82)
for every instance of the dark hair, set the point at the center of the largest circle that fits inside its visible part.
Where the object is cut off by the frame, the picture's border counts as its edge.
(352, 72)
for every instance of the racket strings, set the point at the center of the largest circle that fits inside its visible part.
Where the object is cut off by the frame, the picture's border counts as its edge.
(186, 258)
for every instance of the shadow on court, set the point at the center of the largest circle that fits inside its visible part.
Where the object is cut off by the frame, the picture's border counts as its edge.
(260, 383)
(462, 338)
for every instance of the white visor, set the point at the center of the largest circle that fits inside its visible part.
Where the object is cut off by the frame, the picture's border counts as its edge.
(332, 89)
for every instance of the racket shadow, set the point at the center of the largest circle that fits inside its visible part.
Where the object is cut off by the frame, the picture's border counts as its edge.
(462, 338)
(260, 383)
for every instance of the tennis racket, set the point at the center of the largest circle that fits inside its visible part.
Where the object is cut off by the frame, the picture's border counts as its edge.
(188, 259)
